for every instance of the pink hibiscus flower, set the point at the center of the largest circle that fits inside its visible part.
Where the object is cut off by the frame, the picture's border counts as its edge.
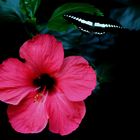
(46, 88)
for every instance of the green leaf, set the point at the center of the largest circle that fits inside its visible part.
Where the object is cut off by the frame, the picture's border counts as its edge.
(29, 8)
(10, 11)
(57, 22)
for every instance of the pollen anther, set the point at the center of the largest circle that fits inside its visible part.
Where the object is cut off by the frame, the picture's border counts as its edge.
(38, 97)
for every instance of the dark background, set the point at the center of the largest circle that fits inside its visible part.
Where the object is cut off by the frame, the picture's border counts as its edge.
(111, 109)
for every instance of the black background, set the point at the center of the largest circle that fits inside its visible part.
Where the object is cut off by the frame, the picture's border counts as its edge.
(111, 111)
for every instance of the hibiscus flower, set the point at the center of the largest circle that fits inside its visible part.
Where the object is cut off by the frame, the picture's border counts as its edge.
(47, 88)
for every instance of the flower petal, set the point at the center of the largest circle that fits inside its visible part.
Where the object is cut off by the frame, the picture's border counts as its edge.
(64, 115)
(43, 52)
(29, 116)
(15, 81)
(76, 78)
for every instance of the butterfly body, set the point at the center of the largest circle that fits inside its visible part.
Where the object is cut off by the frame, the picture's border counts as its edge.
(88, 23)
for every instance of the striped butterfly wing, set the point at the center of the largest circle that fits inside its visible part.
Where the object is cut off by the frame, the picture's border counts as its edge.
(83, 21)
(88, 23)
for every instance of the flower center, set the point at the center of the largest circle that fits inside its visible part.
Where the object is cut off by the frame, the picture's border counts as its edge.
(44, 81)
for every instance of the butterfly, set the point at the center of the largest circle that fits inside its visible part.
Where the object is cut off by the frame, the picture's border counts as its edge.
(88, 23)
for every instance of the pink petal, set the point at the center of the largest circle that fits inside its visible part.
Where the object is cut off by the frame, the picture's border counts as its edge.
(29, 116)
(43, 52)
(15, 81)
(64, 115)
(76, 78)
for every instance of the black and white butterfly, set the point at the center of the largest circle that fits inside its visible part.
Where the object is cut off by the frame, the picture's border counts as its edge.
(88, 23)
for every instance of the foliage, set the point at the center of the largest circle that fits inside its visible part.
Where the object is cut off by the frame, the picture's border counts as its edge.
(57, 22)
